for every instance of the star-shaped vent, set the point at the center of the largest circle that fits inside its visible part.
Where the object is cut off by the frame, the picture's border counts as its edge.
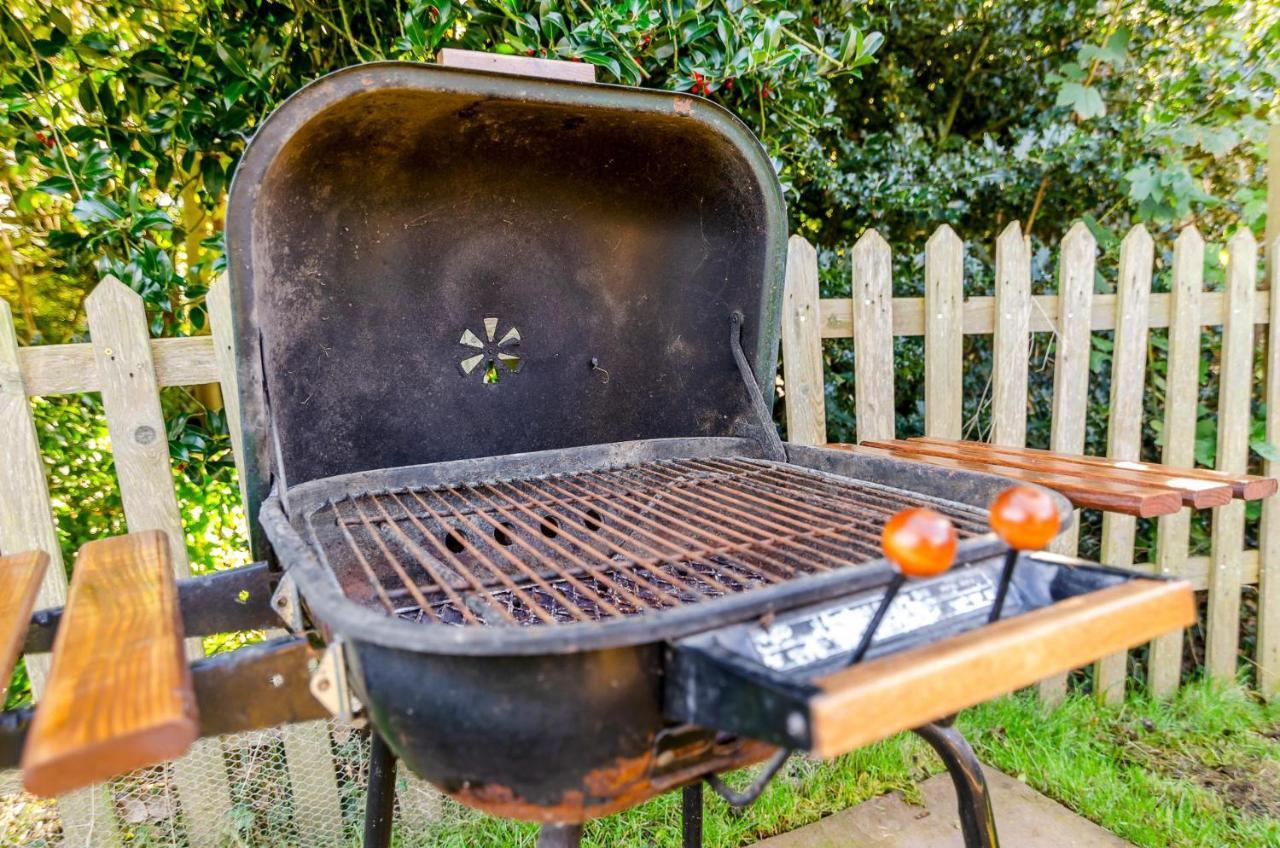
(493, 350)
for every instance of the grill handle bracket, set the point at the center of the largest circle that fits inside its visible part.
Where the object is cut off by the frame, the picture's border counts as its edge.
(769, 439)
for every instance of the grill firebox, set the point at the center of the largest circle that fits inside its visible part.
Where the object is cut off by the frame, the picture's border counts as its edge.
(594, 545)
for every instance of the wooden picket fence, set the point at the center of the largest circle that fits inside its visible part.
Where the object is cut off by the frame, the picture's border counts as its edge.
(128, 369)
(872, 317)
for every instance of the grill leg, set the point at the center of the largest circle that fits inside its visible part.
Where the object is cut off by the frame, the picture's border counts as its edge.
(560, 836)
(382, 793)
(691, 815)
(976, 819)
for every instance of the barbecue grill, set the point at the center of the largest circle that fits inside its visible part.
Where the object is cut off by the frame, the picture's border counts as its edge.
(505, 349)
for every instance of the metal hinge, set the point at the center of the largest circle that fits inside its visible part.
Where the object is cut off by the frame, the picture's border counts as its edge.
(329, 684)
(287, 605)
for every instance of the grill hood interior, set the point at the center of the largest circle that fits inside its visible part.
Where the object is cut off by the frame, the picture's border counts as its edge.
(390, 223)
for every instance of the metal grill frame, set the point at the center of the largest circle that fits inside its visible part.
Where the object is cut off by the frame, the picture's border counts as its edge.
(301, 552)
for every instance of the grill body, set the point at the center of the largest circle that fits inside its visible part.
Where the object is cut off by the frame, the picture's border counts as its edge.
(564, 720)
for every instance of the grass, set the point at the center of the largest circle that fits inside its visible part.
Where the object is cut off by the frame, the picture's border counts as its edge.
(1200, 770)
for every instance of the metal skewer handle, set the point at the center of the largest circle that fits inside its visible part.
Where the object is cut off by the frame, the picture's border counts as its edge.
(1026, 519)
(919, 543)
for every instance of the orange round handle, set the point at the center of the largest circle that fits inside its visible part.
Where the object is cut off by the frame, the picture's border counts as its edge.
(920, 542)
(1025, 518)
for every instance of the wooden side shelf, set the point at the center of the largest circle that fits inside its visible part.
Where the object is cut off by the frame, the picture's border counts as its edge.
(1144, 501)
(119, 695)
(1249, 487)
(20, 576)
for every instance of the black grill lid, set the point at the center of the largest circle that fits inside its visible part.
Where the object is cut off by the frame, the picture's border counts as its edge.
(443, 264)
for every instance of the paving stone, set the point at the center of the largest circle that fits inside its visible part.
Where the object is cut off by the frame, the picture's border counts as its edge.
(1024, 817)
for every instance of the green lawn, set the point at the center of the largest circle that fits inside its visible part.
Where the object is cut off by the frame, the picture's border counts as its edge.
(1201, 770)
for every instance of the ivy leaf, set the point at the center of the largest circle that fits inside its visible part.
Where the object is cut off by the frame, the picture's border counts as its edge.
(1143, 182)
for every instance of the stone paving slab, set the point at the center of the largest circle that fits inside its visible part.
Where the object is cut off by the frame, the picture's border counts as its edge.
(1024, 817)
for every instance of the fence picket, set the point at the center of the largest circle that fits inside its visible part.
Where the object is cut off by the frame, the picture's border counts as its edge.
(802, 347)
(1235, 384)
(26, 523)
(1009, 343)
(1124, 422)
(1268, 652)
(1076, 260)
(139, 443)
(1182, 384)
(943, 333)
(873, 337)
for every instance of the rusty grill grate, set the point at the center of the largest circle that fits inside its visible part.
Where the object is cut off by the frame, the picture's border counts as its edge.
(588, 546)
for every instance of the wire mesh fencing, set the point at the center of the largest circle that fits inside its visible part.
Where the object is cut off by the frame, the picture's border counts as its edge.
(301, 785)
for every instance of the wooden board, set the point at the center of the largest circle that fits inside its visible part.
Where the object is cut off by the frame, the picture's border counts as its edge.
(1124, 421)
(943, 336)
(1182, 385)
(1222, 639)
(1244, 486)
(1010, 340)
(873, 337)
(1268, 650)
(26, 522)
(69, 368)
(1142, 501)
(804, 396)
(20, 577)
(1194, 492)
(119, 694)
(872, 700)
(979, 314)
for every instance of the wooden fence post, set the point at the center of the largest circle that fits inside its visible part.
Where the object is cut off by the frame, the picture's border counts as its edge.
(1235, 384)
(943, 334)
(1076, 260)
(1010, 340)
(1268, 653)
(1124, 424)
(26, 523)
(140, 445)
(805, 397)
(1182, 385)
(873, 337)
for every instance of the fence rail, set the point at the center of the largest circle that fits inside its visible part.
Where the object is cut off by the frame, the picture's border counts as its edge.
(872, 317)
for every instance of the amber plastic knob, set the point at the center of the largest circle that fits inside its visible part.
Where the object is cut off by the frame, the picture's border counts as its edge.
(920, 542)
(1025, 518)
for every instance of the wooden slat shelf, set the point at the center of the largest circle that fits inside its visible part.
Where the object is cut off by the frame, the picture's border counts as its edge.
(20, 576)
(1140, 501)
(1249, 487)
(119, 695)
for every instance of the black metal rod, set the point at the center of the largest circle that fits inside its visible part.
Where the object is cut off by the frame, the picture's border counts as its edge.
(382, 793)
(560, 836)
(977, 822)
(691, 816)
(867, 635)
(1002, 590)
(737, 799)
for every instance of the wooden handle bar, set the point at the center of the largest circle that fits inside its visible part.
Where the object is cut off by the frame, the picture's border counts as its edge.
(1142, 501)
(528, 66)
(119, 695)
(1249, 487)
(1196, 493)
(872, 700)
(20, 576)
